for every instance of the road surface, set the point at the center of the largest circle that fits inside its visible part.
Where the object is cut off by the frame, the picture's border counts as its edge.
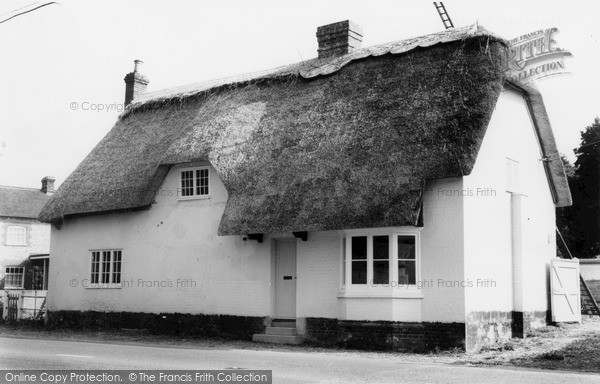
(287, 366)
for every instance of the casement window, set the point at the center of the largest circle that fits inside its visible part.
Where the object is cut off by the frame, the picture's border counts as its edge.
(194, 183)
(372, 261)
(358, 252)
(14, 277)
(106, 269)
(512, 176)
(407, 260)
(16, 235)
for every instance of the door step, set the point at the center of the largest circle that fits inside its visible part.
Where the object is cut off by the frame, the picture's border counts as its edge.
(284, 331)
(286, 323)
(278, 339)
(281, 332)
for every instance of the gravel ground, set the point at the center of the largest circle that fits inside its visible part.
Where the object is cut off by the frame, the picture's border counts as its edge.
(574, 347)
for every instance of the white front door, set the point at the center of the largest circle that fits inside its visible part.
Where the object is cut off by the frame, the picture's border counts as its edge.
(285, 279)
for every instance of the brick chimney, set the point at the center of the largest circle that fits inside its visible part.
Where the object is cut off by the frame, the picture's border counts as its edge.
(338, 38)
(48, 185)
(135, 83)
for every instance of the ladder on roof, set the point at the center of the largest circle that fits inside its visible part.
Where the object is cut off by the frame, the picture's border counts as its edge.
(443, 15)
(589, 306)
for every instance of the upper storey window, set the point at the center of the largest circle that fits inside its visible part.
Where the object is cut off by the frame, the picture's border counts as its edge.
(194, 183)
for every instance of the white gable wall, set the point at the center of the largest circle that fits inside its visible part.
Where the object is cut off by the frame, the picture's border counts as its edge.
(488, 253)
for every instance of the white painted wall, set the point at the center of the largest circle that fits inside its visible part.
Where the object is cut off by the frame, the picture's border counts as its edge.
(318, 270)
(173, 240)
(487, 210)
(442, 242)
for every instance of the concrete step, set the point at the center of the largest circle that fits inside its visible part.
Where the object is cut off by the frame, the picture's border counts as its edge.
(278, 339)
(283, 323)
(281, 331)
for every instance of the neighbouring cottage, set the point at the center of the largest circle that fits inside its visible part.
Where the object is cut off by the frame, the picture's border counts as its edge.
(24, 247)
(399, 196)
(25, 241)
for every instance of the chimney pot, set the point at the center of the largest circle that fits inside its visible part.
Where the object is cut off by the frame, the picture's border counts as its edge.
(339, 38)
(48, 185)
(137, 65)
(135, 83)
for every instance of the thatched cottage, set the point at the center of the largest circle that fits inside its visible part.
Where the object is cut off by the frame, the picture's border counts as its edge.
(399, 196)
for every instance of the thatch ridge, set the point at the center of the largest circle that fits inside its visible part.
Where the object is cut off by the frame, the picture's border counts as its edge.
(307, 69)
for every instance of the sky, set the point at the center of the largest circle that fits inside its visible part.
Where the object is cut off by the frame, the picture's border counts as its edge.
(60, 63)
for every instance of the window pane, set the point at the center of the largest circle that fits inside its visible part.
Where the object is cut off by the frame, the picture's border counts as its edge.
(359, 272)
(359, 248)
(381, 255)
(407, 272)
(116, 271)
(406, 247)
(202, 182)
(105, 275)
(187, 183)
(95, 267)
(381, 272)
(381, 247)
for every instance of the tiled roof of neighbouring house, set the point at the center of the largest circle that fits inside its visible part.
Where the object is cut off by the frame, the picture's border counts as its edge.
(21, 202)
(341, 142)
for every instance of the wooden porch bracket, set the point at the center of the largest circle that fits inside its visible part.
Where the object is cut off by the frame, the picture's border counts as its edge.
(301, 235)
(256, 236)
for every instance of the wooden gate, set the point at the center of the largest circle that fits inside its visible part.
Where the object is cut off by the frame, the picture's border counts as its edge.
(13, 307)
(564, 284)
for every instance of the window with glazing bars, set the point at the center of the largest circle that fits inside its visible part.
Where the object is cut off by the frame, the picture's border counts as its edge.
(106, 267)
(13, 277)
(194, 182)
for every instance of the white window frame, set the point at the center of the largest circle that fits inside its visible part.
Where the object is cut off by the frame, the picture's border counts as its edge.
(393, 289)
(95, 276)
(195, 195)
(513, 182)
(7, 274)
(10, 237)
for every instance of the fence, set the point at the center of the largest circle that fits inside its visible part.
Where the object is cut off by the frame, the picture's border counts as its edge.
(23, 304)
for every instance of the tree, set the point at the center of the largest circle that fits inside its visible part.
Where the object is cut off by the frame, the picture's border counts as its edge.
(581, 221)
(564, 216)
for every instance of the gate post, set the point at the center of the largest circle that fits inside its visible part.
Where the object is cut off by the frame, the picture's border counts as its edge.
(19, 305)
(4, 305)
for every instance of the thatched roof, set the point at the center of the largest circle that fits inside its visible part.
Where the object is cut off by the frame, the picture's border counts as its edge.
(24, 203)
(332, 143)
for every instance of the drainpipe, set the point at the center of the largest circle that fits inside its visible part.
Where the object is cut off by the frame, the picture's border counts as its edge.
(517, 265)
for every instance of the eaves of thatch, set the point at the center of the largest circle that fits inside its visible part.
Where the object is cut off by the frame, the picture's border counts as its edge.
(327, 144)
